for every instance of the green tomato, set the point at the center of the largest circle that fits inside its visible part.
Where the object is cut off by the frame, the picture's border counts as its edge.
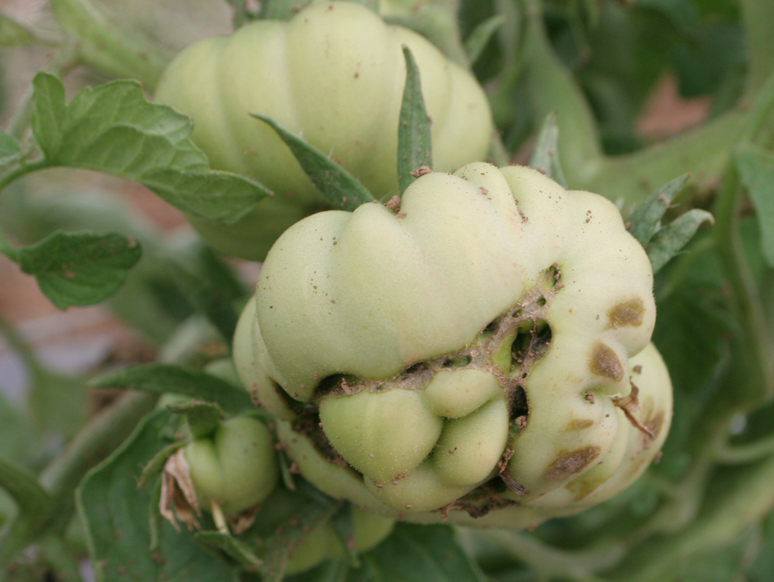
(481, 342)
(236, 467)
(335, 74)
(323, 543)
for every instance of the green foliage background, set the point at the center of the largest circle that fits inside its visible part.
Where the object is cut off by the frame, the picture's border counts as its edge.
(566, 76)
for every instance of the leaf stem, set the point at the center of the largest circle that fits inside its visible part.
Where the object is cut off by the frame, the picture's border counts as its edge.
(22, 170)
(752, 317)
(552, 87)
(551, 561)
(757, 16)
(108, 47)
(21, 347)
(747, 498)
(745, 453)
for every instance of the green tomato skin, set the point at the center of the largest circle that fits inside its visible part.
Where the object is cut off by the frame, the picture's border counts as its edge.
(335, 74)
(236, 468)
(385, 297)
(323, 543)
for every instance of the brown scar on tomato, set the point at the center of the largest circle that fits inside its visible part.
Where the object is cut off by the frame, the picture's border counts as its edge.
(627, 314)
(393, 203)
(604, 362)
(654, 425)
(630, 405)
(579, 424)
(568, 463)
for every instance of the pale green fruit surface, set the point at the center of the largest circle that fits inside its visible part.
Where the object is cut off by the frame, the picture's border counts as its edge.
(323, 543)
(483, 334)
(334, 74)
(236, 467)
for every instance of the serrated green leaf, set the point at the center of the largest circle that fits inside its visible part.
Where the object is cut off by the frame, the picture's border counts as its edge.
(756, 169)
(481, 35)
(415, 147)
(10, 149)
(545, 157)
(203, 417)
(168, 378)
(644, 221)
(669, 241)
(235, 549)
(115, 517)
(113, 129)
(13, 33)
(79, 269)
(34, 502)
(417, 553)
(339, 186)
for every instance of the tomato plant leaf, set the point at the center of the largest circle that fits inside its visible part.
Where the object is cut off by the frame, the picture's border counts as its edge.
(115, 512)
(203, 417)
(545, 157)
(10, 149)
(79, 269)
(339, 186)
(669, 241)
(417, 553)
(113, 129)
(476, 42)
(232, 547)
(756, 169)
(414, 139)
(168, 378)
(644, 221)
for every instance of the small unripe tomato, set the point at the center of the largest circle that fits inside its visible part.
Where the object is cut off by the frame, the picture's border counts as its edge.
(236, 467)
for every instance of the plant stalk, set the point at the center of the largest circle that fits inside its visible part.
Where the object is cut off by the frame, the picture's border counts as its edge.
(108, 47)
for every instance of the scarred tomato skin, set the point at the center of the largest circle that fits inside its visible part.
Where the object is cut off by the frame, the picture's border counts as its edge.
(333, 74)
(484, 349)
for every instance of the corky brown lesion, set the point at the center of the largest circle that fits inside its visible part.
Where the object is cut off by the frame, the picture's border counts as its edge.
(568, 463)
(627, 314)
(604, 362)
(508, 348)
